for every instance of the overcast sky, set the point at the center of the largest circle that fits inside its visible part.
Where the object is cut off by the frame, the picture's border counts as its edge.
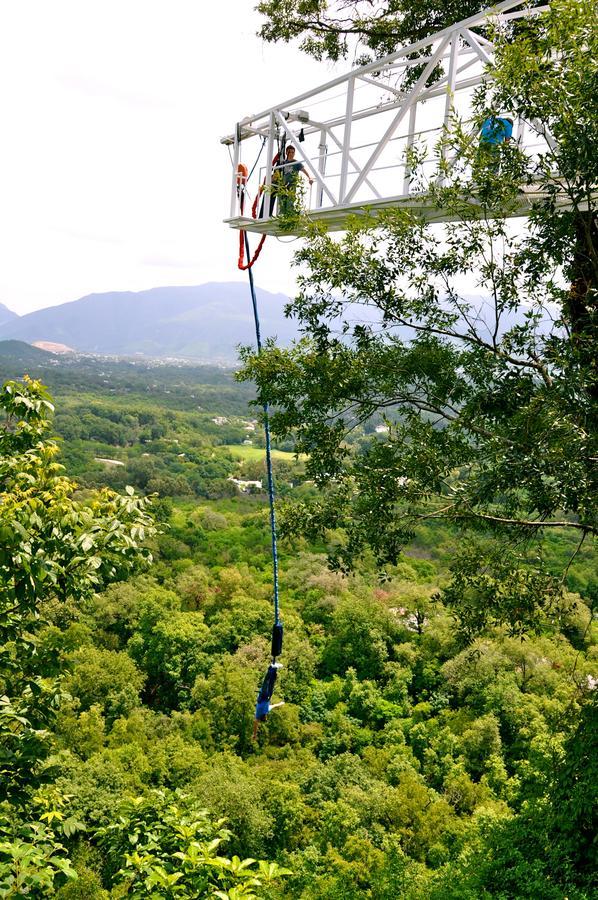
(112, 176)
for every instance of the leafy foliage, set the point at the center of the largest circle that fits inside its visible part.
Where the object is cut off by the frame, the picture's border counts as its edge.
(53, 547)
(168, 850)
(32, 863)
(33, 859)
(405, 762)
(329, 30)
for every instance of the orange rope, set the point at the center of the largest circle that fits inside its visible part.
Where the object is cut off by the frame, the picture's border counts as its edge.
(241, 264)
(241, 179)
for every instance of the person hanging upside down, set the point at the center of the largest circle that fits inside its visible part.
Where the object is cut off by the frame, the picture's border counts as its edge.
(263, 706)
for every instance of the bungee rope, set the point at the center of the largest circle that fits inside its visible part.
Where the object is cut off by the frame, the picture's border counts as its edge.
(263, 705)
(270, 474)
(243, 176)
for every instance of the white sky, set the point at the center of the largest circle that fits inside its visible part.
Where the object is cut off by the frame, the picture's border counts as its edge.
(112, 176)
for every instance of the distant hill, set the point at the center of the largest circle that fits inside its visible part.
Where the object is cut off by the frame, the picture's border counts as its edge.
(19, 351)
(6, 314)
(203, 323)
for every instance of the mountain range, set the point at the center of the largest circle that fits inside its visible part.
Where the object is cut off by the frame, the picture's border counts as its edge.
(204, 323)
(201, 324)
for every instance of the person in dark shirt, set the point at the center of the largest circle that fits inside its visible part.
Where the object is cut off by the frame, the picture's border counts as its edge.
(286, 177)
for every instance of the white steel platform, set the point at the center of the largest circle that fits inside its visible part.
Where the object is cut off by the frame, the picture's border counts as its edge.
(336, 218)
(354, 133)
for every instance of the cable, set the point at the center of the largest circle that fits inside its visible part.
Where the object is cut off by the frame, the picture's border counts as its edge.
(244, 247)
(243, 242)
(271, 493)
(257, 159)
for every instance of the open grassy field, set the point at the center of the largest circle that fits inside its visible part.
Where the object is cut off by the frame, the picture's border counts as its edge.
(252, 454)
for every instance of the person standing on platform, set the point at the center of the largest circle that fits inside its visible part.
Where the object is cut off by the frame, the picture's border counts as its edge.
(286, 176)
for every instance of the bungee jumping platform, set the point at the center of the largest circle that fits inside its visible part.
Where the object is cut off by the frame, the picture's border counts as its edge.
(354, 135)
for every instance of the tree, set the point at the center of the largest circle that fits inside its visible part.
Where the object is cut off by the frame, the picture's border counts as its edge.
(169, 646)
(33, 860)
(548, 849)
(226, 699)
(490, 400)
(54, 546)
(549, 76)
(167, 847)
(329, 30)
(104, 680)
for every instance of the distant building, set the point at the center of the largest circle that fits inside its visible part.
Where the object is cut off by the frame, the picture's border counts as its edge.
(245, 486)
(247, 441)
(220, 420)
(108, 462)
(381, 429)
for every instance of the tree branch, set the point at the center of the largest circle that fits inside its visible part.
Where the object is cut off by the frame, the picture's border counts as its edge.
(524, 523)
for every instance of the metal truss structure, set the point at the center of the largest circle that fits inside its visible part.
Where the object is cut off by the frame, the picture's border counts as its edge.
(353, 134)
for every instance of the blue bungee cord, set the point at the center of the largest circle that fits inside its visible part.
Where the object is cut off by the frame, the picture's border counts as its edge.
(263, 705)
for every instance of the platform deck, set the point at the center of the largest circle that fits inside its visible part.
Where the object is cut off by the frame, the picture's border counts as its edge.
(335, 218)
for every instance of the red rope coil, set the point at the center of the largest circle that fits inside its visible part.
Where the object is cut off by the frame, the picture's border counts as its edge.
(241, 181)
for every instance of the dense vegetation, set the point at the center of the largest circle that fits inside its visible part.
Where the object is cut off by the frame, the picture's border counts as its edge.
(370, 29)
(160, 428)
(408, 760)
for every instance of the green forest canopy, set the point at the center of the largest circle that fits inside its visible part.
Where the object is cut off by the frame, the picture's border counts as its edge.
(407, 761)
